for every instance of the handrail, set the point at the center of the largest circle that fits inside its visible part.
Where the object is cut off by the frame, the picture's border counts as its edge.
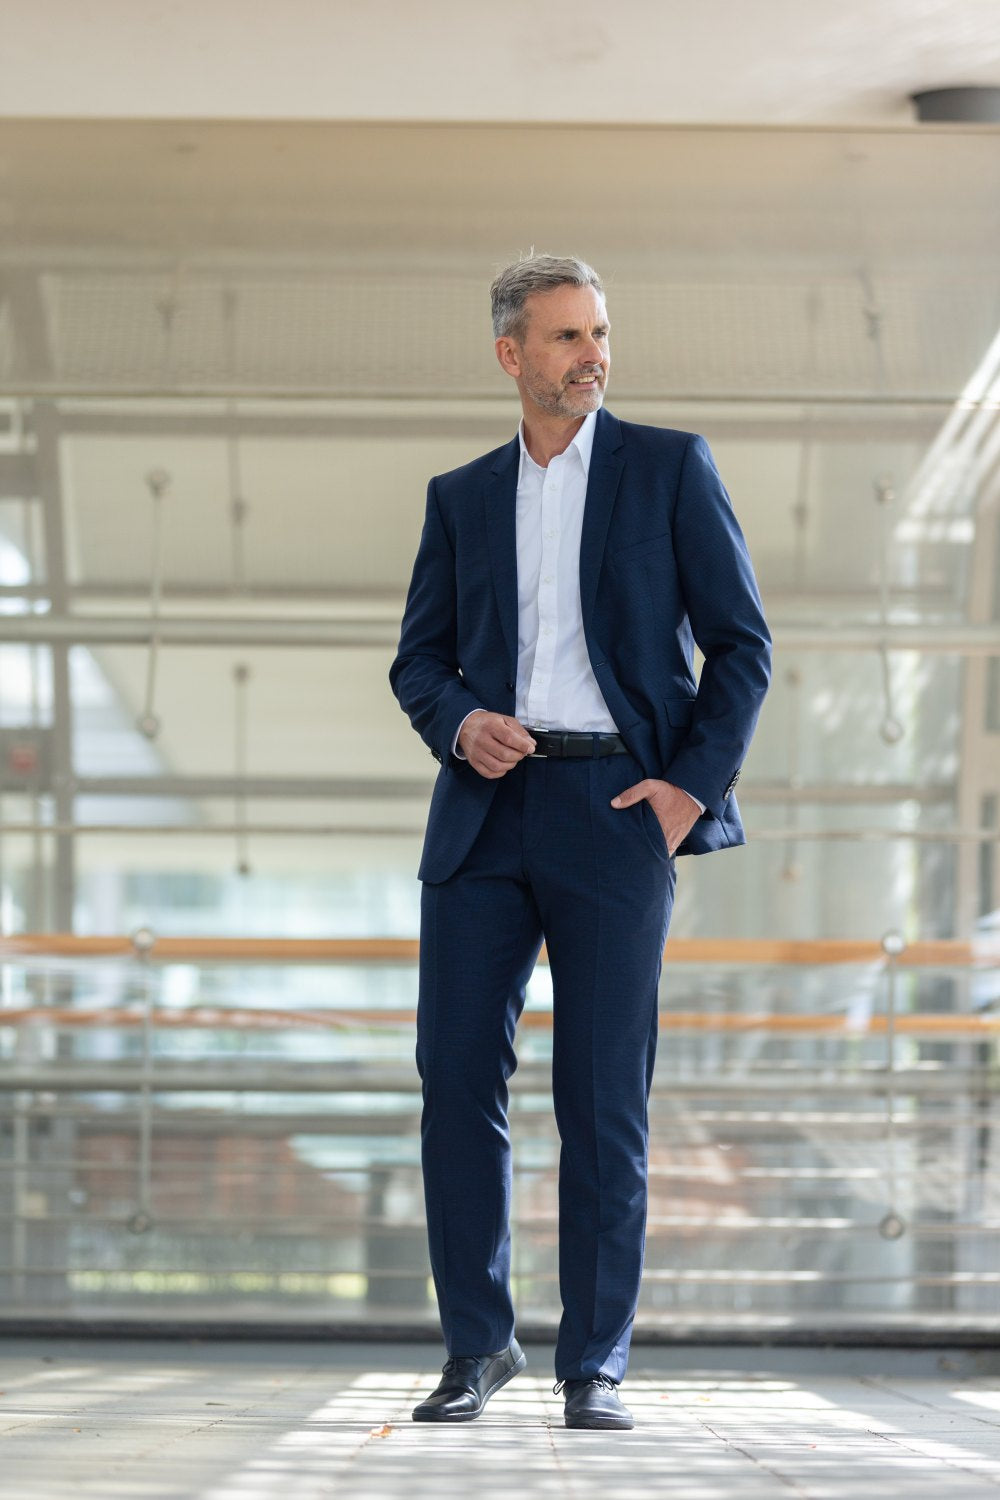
(769, 952)
(246, 1018)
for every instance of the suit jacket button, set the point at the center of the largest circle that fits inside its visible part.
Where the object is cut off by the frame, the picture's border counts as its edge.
(509, 686)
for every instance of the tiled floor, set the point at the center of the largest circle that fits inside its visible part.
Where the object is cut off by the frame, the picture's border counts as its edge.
(133, 1420)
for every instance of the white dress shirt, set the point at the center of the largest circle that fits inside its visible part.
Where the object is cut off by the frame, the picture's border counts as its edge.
(555, 686)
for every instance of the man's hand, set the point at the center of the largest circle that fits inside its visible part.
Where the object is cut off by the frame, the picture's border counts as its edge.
(676, 812)
(494, 743)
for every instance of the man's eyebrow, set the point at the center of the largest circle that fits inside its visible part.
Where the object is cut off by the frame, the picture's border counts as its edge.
(602, 327)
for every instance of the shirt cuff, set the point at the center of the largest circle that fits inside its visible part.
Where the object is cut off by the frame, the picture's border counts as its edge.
(454, 744)
(699, 805)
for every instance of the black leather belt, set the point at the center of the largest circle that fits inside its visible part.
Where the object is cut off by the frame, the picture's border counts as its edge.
(559, 744)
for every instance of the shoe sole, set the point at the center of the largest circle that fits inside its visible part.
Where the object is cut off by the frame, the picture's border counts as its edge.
(470, 1416)
(595, 1424)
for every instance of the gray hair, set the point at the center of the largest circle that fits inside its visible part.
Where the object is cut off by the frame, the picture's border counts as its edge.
(534, 273)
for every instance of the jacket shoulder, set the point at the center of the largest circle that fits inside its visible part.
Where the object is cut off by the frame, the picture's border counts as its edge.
(642, 435)
(455, 481)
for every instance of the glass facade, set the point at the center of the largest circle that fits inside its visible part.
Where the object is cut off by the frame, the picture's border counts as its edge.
(230, 357)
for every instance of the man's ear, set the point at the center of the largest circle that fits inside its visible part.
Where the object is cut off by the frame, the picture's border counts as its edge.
(509, 356)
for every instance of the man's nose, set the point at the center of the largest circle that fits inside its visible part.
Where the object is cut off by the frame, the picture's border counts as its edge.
(592, 355)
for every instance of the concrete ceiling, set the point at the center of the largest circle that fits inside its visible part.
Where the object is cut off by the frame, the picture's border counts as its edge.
(650, 61)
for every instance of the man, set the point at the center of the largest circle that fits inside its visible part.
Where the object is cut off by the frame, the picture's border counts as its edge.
(546, 659)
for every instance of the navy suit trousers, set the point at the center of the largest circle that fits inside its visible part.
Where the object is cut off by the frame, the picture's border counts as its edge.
(553, 860)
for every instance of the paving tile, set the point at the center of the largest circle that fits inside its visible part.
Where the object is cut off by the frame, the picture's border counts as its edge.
(82, 1420)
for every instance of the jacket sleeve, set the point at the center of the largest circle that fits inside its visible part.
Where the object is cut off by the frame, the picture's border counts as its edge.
(425, 676)
(727, 621)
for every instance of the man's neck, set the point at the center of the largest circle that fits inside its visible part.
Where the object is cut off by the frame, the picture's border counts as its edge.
(545, 437)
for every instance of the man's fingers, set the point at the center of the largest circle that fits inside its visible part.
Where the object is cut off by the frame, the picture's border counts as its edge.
(501, 750)
(674, 809)
(492, 771)
(494, 743)
(510, 732)
(637, 793)
(493, 731)
(488, 765)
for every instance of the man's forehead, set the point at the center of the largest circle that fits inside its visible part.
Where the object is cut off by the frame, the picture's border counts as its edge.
(567, 305)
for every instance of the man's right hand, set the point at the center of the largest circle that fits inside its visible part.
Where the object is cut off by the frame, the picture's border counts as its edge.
(494, 743)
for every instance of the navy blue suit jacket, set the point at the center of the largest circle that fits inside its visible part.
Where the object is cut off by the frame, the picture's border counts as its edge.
(663, 565)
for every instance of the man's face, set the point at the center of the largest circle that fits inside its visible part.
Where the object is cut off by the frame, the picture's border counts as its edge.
(561, 364)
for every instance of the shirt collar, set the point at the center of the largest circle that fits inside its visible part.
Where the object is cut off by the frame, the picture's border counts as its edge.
(583, 442)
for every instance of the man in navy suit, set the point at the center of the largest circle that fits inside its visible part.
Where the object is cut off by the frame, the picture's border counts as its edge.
(547, 660)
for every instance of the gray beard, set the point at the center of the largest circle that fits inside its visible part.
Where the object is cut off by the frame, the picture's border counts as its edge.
(559, 402)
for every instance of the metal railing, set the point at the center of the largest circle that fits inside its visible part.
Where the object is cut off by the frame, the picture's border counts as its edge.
(229, 1129)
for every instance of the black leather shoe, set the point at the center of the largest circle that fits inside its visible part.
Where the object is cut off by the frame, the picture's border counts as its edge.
(467, 1383)
(594, 1403)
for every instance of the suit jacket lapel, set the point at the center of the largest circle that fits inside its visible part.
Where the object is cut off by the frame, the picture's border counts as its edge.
(500, 498)
(607, 459)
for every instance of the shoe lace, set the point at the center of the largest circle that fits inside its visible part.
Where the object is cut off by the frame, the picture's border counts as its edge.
(602, 1381)
(453, 1365)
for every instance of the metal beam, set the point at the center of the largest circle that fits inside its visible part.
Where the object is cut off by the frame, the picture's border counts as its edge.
(333, 788)
(342, 417)
(818, 606)
(18, 477)
(59, 389)
(50, 492)
(796, 835)
(106, 630)
(337, 788)
(272, 1077)
(33, 362)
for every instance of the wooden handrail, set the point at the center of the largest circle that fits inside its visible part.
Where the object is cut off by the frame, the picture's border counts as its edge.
(768, 952)
(246, 1018)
